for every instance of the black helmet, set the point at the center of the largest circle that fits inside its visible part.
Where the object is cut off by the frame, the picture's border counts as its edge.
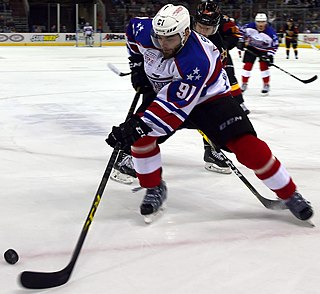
(290, 19)
(208, 13)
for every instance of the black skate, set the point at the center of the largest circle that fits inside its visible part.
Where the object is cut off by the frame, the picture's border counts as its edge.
(153, 201)
(265, 90)
(244, 108)
(244, 87)
(123, 171)
(299, 207)
(214, 162)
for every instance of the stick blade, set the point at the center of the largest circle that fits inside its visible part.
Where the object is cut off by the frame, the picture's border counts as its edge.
(310, 80)
(44, 280)
(114, 69)
(276, 205)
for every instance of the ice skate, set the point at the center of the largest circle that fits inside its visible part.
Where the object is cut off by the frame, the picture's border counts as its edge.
(153, 202)
(123, 171)
(214, 162)
(299, 207)
(265, 90)
(245, 109)
(244, 87)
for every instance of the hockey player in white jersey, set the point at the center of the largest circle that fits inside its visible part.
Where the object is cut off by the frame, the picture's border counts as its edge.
(88, 34)
(261, 42)
(193, 90)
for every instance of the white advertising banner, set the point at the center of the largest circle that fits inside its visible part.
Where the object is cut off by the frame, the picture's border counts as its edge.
(105, 39)
(57, 39)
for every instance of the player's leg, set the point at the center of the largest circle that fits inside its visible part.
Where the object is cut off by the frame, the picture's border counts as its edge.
(248, 60)
(265, 74)
(147, 162)
(295, 48)
(238, 135)
(288, 44)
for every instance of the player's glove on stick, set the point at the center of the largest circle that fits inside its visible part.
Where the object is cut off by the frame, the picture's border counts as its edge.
(139, 79)
(267, 58)
(241, 44)
(128, 132)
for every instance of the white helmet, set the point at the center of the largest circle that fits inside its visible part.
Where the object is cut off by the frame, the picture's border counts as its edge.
(171, 20)
(261, 17)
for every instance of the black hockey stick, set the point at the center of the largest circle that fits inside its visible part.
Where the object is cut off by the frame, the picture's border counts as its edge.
(312, 45)
(43, 280)
(268, 203)
(117, 71)
(278, 67)
(303, 81)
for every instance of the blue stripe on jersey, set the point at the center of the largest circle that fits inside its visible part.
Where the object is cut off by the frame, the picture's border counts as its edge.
(172, 108)
(157, 122)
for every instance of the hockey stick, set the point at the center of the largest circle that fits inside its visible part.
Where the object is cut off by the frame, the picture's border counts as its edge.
(278, 67)
(268, 203)
(303, 81)
(117, 71)
(312, 46)
(43, 280)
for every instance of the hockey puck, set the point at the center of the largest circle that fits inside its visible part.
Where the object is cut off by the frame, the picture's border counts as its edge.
(11, 256)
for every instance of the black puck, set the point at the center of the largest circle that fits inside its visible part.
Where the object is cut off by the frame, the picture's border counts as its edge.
(11, 256)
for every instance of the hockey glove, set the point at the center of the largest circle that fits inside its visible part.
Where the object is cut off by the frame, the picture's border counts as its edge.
(267, 58)
(241, 44)
(139, 78)
(128, 132)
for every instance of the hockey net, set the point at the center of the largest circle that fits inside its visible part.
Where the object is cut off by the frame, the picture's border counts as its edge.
(94, 41)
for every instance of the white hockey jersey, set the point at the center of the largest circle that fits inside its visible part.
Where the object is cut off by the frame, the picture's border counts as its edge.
(265, 41)
(88, 31)
(195, 75)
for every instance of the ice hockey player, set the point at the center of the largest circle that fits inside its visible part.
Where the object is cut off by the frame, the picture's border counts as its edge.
(261, 42)
(223, 32)
(193, 91)
(88, 34)
(291, 37)
(208, 19)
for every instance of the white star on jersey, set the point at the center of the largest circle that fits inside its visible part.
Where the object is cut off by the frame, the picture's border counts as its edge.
(139, 28)
(190, 77)
(196, 71)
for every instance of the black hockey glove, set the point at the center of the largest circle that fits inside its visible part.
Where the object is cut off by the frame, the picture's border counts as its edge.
(139, 78)
(267, 58)
(241, 44)
(128, 132)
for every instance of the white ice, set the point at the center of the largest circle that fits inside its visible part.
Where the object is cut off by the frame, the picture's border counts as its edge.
(56, 107)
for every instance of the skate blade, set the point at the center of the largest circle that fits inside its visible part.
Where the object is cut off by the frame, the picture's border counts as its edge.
(148, 219)
(121, 178)
(310, 223)
(264, 94)
(213, 168)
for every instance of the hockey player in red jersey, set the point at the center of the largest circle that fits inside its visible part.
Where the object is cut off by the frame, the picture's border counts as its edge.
(223, 32)
(291, 37)
(261, 42)
(186, 72)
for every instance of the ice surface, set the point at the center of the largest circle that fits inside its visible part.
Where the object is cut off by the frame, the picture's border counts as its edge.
(57, 106)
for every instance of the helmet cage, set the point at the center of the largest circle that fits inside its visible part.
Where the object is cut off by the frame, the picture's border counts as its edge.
(208, 13)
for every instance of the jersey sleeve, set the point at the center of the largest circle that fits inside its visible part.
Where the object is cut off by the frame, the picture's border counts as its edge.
(138, 34)
(274, 44)
(231, 32)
